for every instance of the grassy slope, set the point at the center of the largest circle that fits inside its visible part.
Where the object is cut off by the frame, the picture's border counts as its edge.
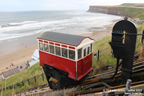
(132, 12)
(35, 70)
(133, 4)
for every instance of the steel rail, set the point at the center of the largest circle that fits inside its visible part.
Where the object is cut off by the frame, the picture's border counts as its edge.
(135, 66)
(100, 90)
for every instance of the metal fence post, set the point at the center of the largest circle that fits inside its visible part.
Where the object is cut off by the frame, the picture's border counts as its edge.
(42, 75)
(28, 81)
(142, 37)
(98, 56)
(34, 78)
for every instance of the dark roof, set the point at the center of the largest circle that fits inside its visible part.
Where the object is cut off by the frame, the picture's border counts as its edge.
(10, 72)
(63, 38)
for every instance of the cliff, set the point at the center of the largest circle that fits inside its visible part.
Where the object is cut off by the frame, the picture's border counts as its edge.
(133, 12)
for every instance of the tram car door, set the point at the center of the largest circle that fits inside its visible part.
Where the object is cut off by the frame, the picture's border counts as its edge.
(87, 58)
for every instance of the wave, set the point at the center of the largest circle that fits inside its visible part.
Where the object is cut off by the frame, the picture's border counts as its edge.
(18, 24)
(28, 25)
(5, 36)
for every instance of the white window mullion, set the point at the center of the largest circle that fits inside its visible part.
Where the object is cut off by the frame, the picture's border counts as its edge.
(76, 54)
(54, 48)
(67, 51)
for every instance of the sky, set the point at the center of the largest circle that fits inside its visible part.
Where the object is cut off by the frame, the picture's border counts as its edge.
(37, 5)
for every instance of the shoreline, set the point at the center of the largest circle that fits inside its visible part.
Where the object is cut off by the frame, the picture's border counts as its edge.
(100, 33)
(24, 52)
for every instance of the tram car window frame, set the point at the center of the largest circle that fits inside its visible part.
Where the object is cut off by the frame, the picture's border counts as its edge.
(58, 50)
(51, 49)
(71, 54)
(64, 53)
(46, 47)
(40, 45)
(79, 53)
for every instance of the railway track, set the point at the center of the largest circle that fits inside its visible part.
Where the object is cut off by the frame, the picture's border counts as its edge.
(111, 89)
(91, 83)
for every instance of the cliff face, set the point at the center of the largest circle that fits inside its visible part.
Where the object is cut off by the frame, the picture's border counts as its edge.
(107, 10)
(133, 12)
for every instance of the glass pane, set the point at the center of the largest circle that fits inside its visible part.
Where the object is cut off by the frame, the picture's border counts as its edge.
(57, 50)
(41, 46)
(87, 50)
(91, 48)
(72, 54)
(84, 52)
(46, 47)
(51, 49)
(64, 52)
(79, 53)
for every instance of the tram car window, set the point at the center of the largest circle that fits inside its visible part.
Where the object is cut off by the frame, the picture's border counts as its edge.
(87, 50)
(79, 53)
(41, 46)
(57, 50)
(64, 52)
(84, 51)
(51, 49)
(46, 47)
(72, 54)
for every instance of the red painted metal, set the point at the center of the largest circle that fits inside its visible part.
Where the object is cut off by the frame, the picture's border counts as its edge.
(40, 40)
(71, 47)
(64, 46)
(87, 63)
(84, 74)
(45, 41)
(84, 66)
(57, 44)
(51, 43)
(59, 62)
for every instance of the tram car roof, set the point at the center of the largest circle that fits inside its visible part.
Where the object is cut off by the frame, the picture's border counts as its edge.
(69, 39)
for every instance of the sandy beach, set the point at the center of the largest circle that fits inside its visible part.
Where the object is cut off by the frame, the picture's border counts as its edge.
(24, 52)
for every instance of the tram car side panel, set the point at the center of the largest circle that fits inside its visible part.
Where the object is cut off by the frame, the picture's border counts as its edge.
(59, 63)
(80, 68)
(87, 63)
(84, 66)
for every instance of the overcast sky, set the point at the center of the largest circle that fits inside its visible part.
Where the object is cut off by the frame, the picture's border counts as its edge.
(34, 5)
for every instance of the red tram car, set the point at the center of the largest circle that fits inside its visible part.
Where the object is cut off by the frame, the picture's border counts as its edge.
(65, 57)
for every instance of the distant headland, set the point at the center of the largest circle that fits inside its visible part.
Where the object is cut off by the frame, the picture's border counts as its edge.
(133, 10)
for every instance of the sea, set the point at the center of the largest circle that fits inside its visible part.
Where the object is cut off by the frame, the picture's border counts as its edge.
(18, 28)
(20, 24)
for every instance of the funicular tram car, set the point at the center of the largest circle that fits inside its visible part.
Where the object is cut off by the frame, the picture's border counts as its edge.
(67, 58)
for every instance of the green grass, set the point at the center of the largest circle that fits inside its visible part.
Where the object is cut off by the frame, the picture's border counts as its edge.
(35, 70)
(133, 4)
